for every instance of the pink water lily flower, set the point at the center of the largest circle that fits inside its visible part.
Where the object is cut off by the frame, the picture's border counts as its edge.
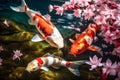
(109, 68)
(94, 62)
(17, 54)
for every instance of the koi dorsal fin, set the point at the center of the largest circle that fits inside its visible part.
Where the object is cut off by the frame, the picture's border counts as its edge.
(44, 68)
(94, 48)
(37, 38)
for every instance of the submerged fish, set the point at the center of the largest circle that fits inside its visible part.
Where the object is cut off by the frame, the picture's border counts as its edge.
(84, 40)
(45, 27)
(56, 62)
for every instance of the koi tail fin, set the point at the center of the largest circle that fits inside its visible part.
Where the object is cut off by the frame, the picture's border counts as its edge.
(22, 8)
(74, 66)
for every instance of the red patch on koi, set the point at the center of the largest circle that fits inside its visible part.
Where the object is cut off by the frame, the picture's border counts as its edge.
(68, 64)
(40, 61)
(43, 25)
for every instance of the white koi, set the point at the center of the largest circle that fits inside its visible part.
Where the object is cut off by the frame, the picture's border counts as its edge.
(56, 62)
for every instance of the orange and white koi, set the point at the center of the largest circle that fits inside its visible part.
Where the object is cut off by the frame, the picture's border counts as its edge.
(54, 61)
(84, 40)
(45, 27)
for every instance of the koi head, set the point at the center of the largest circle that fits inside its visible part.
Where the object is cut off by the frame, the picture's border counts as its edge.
(32, 66)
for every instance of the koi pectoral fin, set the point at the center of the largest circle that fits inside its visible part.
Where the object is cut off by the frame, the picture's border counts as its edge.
(71, 40)
(94, 48)
(44, 68)
(37, 38)
(56, 67)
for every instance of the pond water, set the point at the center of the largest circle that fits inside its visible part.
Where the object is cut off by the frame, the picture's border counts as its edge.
(63, 23)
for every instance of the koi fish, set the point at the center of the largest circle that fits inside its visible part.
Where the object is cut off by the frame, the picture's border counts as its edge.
(84, 40)
(56, 62)
(46, 28)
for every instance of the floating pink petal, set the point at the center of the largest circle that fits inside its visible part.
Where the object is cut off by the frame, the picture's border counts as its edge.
(17, 54)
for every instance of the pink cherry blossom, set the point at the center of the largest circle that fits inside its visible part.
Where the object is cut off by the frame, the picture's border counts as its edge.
(108, 37)
(105, 13)
(100, 20)
(87, 13)
(109, 68)
(68, 6)
(91, 7)
(94, 62)
(73, 2)
(83, 2)
(99, 2)
(1, 60)
(77, 13)
(17, 54)
(60, 10)
(1, 48)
